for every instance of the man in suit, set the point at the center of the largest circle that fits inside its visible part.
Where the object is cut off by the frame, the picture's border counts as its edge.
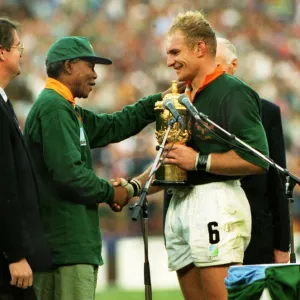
(269, 207)
(23, 248)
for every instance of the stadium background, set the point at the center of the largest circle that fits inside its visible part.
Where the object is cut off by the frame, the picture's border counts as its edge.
(132, 33)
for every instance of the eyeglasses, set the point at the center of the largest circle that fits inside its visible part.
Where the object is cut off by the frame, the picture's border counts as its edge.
(20, 48)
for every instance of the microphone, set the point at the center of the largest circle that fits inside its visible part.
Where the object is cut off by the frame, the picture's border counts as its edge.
(184, 100)
(169, 105)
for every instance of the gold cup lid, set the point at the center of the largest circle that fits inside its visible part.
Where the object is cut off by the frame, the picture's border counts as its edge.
(174, 95)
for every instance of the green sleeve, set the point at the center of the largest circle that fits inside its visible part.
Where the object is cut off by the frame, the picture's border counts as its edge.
(104, 129)
(63, 158)
(242, 114)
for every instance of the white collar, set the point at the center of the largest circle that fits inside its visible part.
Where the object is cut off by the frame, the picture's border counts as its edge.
(3, 94)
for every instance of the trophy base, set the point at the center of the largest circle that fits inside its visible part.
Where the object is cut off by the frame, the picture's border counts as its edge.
(170, 175)
(169, 183)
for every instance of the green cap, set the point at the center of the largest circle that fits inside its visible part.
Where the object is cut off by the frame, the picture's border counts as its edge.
(70, 47)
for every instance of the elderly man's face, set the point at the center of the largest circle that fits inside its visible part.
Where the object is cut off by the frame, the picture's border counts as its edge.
(222, 60)
(83, 78)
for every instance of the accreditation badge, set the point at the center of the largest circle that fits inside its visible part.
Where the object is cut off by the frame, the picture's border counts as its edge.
(82, 137)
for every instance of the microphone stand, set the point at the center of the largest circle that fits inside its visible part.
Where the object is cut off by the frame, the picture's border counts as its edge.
(291, 180)
(289, 186)
(142, 204)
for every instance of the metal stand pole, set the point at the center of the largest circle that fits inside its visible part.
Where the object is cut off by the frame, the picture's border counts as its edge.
(147, 275)
(142, 204)
(289, 186)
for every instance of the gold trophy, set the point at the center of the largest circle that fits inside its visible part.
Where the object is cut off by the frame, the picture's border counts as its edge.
(171, 175)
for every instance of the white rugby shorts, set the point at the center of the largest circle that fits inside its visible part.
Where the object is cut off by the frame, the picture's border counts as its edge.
(207, 225)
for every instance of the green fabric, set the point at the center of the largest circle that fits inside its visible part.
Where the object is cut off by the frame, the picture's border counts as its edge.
(235, 107)
(76, 282)
(246, 292)
(70, 190)
(70, 47)
(283, 282)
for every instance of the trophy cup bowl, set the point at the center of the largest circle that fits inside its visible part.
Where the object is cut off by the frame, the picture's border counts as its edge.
(171, 175)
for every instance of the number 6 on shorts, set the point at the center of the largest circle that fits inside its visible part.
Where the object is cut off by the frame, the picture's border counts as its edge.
(214, 235)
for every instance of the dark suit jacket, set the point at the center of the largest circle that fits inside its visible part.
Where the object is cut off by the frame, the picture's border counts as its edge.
(265, 192)
(21, 231)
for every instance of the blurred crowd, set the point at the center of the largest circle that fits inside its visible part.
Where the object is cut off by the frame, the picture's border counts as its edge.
(132, 33)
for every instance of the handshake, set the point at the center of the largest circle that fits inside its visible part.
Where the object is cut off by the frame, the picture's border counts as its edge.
(124, 191)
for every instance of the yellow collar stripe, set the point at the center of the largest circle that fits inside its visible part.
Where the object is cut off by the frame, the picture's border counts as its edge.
(61, 89)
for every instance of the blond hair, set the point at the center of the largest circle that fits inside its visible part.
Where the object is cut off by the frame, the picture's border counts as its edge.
(195, 27)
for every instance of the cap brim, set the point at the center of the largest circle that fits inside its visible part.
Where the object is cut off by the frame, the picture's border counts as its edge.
(98, 60)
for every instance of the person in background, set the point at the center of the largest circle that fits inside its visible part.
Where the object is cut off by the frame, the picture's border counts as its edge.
(270, 237)
(60, 135)
(23, 247)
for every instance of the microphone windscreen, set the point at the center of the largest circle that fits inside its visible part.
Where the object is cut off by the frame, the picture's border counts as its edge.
(167, 102)
(182, 97)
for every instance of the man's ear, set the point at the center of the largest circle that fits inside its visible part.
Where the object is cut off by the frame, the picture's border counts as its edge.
(1, 53)
(235, 64)
(201, 48)
(68, 67)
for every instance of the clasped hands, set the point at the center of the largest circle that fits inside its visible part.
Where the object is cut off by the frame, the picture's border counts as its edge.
(122, 196)
(181, 155)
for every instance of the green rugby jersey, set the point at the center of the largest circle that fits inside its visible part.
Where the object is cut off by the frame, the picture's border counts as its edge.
(60, 140)
(233, 105)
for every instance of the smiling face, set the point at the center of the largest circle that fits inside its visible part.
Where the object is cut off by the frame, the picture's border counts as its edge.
(83, 78)
(183, 59)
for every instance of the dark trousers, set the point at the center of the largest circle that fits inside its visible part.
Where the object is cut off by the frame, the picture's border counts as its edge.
(14, 293)
(261, 247)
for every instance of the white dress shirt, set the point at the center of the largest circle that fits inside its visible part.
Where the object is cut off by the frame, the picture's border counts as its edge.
(3, 94)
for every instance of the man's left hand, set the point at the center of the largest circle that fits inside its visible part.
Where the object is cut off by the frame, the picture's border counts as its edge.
(182, 156)
(281, 257)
